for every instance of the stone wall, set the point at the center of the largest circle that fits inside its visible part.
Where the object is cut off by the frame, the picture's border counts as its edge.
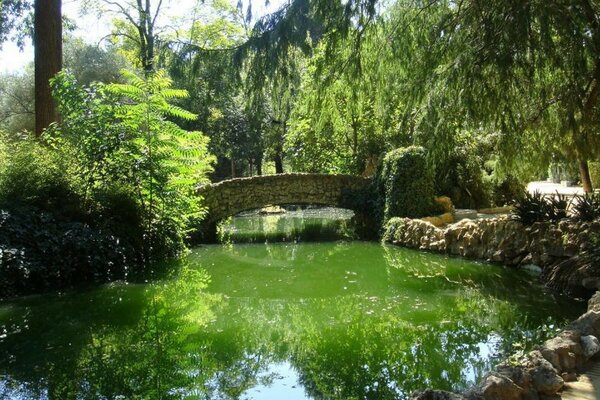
(227, 198)
(542, 373)
(499, 240)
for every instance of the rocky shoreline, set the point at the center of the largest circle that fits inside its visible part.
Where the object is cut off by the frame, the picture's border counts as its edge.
(542, 373)
(563, 251)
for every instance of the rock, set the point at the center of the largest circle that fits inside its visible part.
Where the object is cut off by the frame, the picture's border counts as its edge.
(590, 345)
(546, 381)
(569, 376)
(516, 373)
(562, 351)
(536, 359)
(594, 302)
(588, 323)
(497, 387)
(429, 394)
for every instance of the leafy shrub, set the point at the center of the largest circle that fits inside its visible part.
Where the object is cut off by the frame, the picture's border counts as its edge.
(530, 208)
(405, 184)
(507, 191)
(587, 207)
(123, 139)
(111, 189)
(40, 251)
(34, 175)
(460, 177)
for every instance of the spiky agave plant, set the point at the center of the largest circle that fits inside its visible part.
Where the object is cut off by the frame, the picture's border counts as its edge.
(530, 208)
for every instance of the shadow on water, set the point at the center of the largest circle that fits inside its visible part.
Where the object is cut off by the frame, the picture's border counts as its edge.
(339, 320)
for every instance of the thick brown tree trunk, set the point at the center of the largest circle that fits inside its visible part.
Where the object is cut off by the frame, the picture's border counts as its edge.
(584, 174)
(47, 42)
(48, 59)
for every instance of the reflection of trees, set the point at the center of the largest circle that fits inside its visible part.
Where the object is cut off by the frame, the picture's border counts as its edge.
(417, 322)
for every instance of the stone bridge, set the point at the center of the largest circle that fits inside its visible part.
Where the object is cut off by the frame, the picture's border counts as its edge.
(227, 198)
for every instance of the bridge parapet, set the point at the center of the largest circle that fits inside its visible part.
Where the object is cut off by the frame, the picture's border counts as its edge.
(230, 197)
(227, 198)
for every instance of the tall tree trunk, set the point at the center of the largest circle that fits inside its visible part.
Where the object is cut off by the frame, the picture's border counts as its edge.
(259, 166)
(47, 41)
(232, 168)
(584, 174)
(278, 163)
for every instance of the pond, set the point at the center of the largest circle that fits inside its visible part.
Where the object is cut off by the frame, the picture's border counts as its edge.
(323, 320)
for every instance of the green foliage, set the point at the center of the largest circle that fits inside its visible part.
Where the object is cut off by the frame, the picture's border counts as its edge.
(111, 189)
(537, 207)
(530, 208)
(460, 177)
(125, 141)
(168, 162)
(587, 207)
(405, 184)
(16, 101)
(558, 206)
(34, 175)
(91, 63)
(507, 190)
(48, 240)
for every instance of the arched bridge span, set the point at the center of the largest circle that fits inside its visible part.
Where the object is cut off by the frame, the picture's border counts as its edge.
(227, 198)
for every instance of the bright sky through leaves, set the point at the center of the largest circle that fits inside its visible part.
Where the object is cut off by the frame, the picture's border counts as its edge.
(93, 29)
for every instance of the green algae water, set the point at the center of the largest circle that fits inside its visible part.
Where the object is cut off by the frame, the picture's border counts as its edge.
(335, 320)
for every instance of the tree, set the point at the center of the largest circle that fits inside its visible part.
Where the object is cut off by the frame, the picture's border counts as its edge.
(139, 27)
(92, 63)
(528, 72)
(13, 20)
(17, 111)
(48, 59)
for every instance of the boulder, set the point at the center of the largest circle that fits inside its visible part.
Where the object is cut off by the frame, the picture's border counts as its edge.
(546, 381)
(588, 323)
(563, 351)
(495, 386)
(429, 394)
(590, 345)
(594, 302)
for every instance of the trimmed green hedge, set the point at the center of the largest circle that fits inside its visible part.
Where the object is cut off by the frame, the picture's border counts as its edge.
(405, 183)
(594, 167)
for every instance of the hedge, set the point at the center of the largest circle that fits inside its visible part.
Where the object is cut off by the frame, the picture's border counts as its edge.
(405, 183)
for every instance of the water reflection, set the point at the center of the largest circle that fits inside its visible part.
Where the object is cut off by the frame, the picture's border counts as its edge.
(301, 224)
(321, 321)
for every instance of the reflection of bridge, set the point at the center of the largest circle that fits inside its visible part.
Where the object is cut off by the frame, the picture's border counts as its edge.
(227, 198)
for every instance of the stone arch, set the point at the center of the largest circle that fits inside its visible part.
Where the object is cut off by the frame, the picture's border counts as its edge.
(227, 198)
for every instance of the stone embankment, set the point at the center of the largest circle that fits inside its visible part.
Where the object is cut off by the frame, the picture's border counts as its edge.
(558, 248)
(542, 373)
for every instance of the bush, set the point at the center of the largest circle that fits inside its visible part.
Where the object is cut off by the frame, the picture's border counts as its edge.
(110, 192)
(530, 208)
(405, 184)
(34, 175)
(507, 191)
(587, 208)
(536, 207)
(460, 177)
